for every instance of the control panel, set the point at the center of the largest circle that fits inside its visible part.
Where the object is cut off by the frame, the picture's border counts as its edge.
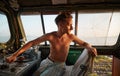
(23, 63)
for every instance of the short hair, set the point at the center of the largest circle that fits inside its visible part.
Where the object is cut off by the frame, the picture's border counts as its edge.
(62, 16)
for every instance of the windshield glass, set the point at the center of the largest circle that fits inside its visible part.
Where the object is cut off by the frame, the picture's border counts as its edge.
(97, 27)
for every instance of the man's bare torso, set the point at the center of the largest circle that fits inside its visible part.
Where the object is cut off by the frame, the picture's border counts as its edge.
(59, 47)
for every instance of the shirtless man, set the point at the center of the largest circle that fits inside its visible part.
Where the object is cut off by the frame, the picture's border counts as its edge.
(59, 46)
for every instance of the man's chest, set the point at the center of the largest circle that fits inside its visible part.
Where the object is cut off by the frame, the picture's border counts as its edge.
(62, 41)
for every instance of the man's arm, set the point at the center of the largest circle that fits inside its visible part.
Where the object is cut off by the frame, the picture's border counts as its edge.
(86, 45)
(26, 47)
(12, 58)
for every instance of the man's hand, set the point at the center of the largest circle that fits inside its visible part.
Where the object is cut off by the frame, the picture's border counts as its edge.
(11, 59)
(92, 51)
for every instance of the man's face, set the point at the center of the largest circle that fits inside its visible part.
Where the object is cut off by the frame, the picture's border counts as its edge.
(66, 26)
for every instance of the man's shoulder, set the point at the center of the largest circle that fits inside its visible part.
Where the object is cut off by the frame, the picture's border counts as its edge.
(72, 36)
(51, 34)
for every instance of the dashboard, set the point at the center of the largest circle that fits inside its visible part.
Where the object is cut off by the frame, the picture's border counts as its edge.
(25, 64)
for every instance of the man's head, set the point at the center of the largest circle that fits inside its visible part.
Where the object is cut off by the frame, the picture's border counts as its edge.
(62, 17)
(64, 22)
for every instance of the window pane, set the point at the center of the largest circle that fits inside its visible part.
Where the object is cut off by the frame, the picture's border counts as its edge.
(32, 26)
(4, 28)
(114, 29)
(50, 25)
(100, 28)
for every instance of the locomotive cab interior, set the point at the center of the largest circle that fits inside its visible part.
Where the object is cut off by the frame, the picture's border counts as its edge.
(96, 22)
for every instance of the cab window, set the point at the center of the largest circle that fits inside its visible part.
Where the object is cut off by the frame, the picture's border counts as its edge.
(99, 27)
(32, 26)
(4, 28)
